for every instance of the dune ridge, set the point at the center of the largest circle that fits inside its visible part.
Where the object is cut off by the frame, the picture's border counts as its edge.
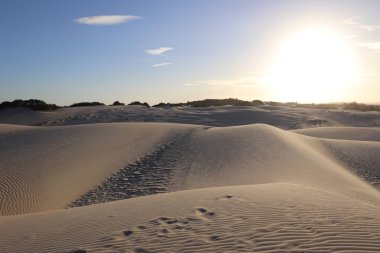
(279, 116)
(47, 168)
(47, 161)
(168, 187)
(343, 133)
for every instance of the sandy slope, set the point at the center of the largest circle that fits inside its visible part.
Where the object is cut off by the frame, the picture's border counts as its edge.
(258, 218)
(253, 188)
(259, 154)
(344, 133)
(361, 157)
(47, 168)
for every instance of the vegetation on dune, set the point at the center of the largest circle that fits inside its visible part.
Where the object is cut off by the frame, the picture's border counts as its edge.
(213, 102)
(169, 105)
(39, 105)
(82, 104)
(34, 104)
(219, 102)
(257, 102)
(330, 106)
(327, 106)
(139, 103)
(361, 107)
(116, 103)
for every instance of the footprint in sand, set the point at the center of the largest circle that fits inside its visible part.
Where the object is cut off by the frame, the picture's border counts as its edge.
(141, 250)
(78, 251)
(214, 238)
(163, 232)
(127, 233)
(235, 199)
(227, 197)
(203, 213)
(168, 225)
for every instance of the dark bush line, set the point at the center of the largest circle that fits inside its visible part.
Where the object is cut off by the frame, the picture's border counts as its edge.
(82, 104)
(116, 103)
(34, 104)
(169, 105)
(139, 103)
(329, 106)
(39, 105)
(361, 107)
(219, 102)
(213, 102)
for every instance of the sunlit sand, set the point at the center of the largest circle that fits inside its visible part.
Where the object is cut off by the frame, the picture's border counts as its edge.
(216, 179)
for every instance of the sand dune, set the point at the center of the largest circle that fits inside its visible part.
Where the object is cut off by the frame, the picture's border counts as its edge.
(282, 117)
(344, 133)
(188, 188)
(361, 157)
(259, 218)
(47, 168)
(259, 154)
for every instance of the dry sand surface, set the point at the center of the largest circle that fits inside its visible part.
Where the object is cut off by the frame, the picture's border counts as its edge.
(282, 117)
(209, 181)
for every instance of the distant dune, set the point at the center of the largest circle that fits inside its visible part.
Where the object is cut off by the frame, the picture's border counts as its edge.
(344, 133)
(214, 184)
(278, 116)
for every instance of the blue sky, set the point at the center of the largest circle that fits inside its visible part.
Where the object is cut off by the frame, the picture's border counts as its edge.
(172, 51)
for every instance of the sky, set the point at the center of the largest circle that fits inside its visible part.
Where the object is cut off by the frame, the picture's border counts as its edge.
(176, 51)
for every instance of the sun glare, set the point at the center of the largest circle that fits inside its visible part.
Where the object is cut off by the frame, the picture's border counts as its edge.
(313, 65)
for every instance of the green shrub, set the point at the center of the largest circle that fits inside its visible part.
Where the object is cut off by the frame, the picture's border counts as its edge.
(34, 104)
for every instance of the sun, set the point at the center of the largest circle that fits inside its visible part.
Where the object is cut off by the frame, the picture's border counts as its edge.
(313, 65)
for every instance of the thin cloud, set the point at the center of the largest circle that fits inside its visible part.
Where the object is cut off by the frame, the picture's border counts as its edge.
(351, 21)
(221, 83)
(354, 21)
(369, 28)
(162, 64)
(371, 45)
(158, 51)
(106, 20)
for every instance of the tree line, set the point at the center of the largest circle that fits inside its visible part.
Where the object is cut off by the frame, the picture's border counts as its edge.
(39, 105)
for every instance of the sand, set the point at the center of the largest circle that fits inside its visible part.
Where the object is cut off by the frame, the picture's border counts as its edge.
(343, 133)
(281, 117)
(226, 186)
(47, 168)
(257, 218)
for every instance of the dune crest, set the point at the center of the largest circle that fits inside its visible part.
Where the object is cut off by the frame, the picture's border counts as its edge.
(47, 168)
(44, 161)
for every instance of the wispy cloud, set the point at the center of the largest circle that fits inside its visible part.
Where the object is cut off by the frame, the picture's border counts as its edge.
(371, 45)
(354, 21)
(106, 20)
(351, 21)
(369, 28)
(162, 64)
(221, 83)
(158, 51)
(191, 84)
